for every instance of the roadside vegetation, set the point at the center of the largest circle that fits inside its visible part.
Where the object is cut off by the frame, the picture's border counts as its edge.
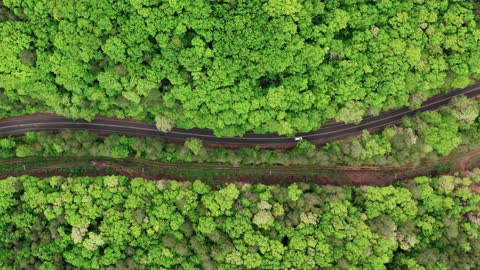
(115, 223)
(232, 66)
(427, 136)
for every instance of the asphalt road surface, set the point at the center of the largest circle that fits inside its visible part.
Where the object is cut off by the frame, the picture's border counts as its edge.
(50, 122)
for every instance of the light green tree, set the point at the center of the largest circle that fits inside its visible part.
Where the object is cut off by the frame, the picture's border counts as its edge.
(194, 145)
(164, 124)
(294, 192)
(352, 112)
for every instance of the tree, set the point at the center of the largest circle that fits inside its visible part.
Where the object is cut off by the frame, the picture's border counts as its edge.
(7, 147)
(294, 192)
(164, 124)
(277, 8)
(305, 146)
(297, 64)
(397, 203)
(115, 222)
(441, 132)
(263, 219)
(464, 109)
(206, 225)
(351, 113)
(194, 145)
(374, 145)
(93, 241)
(24, 151)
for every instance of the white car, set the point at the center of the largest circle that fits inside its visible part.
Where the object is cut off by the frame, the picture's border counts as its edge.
(298, 139)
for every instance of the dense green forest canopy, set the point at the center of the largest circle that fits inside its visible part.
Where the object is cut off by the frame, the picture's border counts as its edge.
(114, 223)
(231, 66)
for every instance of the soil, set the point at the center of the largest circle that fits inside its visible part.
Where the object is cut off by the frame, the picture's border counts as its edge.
(475, 187)
(323, 175)
(463, 163)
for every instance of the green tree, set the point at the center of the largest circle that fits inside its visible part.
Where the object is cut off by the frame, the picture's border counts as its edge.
(206, 225)
(351, 113)
(194, 145)
(374, 145)
(297, 64)
(441, 132)
(263, 219)
(164, 124)
(464, 109)
(294, 192)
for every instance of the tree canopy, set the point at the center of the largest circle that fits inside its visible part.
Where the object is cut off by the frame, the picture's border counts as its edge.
(114, 223)
(232, 66)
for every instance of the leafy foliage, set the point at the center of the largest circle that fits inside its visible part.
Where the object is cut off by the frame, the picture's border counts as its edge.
(282, 66)
(163, 124)
(194, 145)
(113, 222)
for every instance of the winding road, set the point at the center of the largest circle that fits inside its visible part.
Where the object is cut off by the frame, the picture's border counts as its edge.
(50, 122)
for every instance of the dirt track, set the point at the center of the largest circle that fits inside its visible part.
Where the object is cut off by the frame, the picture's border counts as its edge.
(335, 175)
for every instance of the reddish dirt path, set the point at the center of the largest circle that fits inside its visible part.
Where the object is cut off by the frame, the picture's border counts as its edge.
(463, 163)
(333, 175)
(476, 188)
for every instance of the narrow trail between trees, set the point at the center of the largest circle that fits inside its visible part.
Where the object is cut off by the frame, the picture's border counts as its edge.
(217, 174)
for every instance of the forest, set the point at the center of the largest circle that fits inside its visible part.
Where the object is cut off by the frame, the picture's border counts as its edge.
(112, 222)
(237, 66)
(426, 137)
(233, 66)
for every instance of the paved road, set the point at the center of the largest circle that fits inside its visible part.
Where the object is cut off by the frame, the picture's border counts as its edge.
(19, 125)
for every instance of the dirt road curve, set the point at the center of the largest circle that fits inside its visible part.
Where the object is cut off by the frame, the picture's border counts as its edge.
(37, 122)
